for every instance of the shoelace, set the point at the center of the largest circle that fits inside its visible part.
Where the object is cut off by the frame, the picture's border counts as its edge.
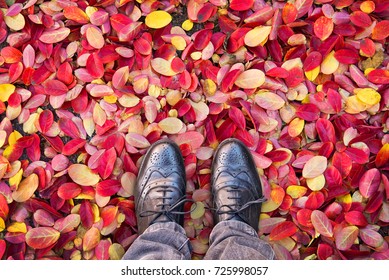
(232, 211)
(167, 209)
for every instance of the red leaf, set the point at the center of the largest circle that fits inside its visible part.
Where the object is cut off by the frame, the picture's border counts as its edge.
(382, 156)
(95, 66)
(369, 182)
(356, 218)
(345, 237)
(102, 250)
(69, 128)
(304, 217)
(108, 214)
(41, 237)
(333, 177)
(4, 209)
(343, 163)
(69, 190)
(325, 130)
(315, 200)
(375, 202)
(46, 119)
(3, 246)
(119, 21)
(312, 61)
(308, 112)
(379, 76)
(86, 214)
(237, 117)
(55, 88)
(324, 251)
(283, 230)
(226, 130)
(241, 5)
(347, 56)
(289, 13)
(303, 7)
(323, 27)
(73, 146)
(108, 187)
(321, 223)
(360, 19)
(107, 162)
(67, 223)
(357, 155)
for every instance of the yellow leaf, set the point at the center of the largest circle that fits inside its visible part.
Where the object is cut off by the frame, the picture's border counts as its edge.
(317, 183)
(295, 127)
(158, 19)
(116, 251)
(209, 87)
(96, 212)
(17, 227)
(330, 64)
(95, 37)
(15, 22)
(312, 75)
(15, 180)
(26, 188)
(171, 125)
(187, 25)
(197, 210)
(354, 105)
(368, 96)
(2, 224)
(296, 191)
(251, 78)
(83, 175)
(179, 43)
(257, 36)
(5, 91)
(129, 100)
(163, 66)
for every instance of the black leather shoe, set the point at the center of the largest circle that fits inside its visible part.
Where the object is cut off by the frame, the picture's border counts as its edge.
(160, 187)
(236, 187)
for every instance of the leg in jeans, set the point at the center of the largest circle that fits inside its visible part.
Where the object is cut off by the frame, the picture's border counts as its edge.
(159, 201)
(236, 240)
(237, 195)
(160, 241)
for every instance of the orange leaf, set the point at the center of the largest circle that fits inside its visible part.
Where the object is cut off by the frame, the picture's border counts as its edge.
(323, 27)
(76, 14)
(283, 230)
(382, 156)
(41, 237)
(91, 239)
(26, 188)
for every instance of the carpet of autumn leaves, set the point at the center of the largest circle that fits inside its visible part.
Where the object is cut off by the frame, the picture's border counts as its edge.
(87, 86)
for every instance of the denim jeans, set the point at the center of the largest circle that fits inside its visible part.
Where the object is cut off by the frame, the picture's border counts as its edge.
(229, 240)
